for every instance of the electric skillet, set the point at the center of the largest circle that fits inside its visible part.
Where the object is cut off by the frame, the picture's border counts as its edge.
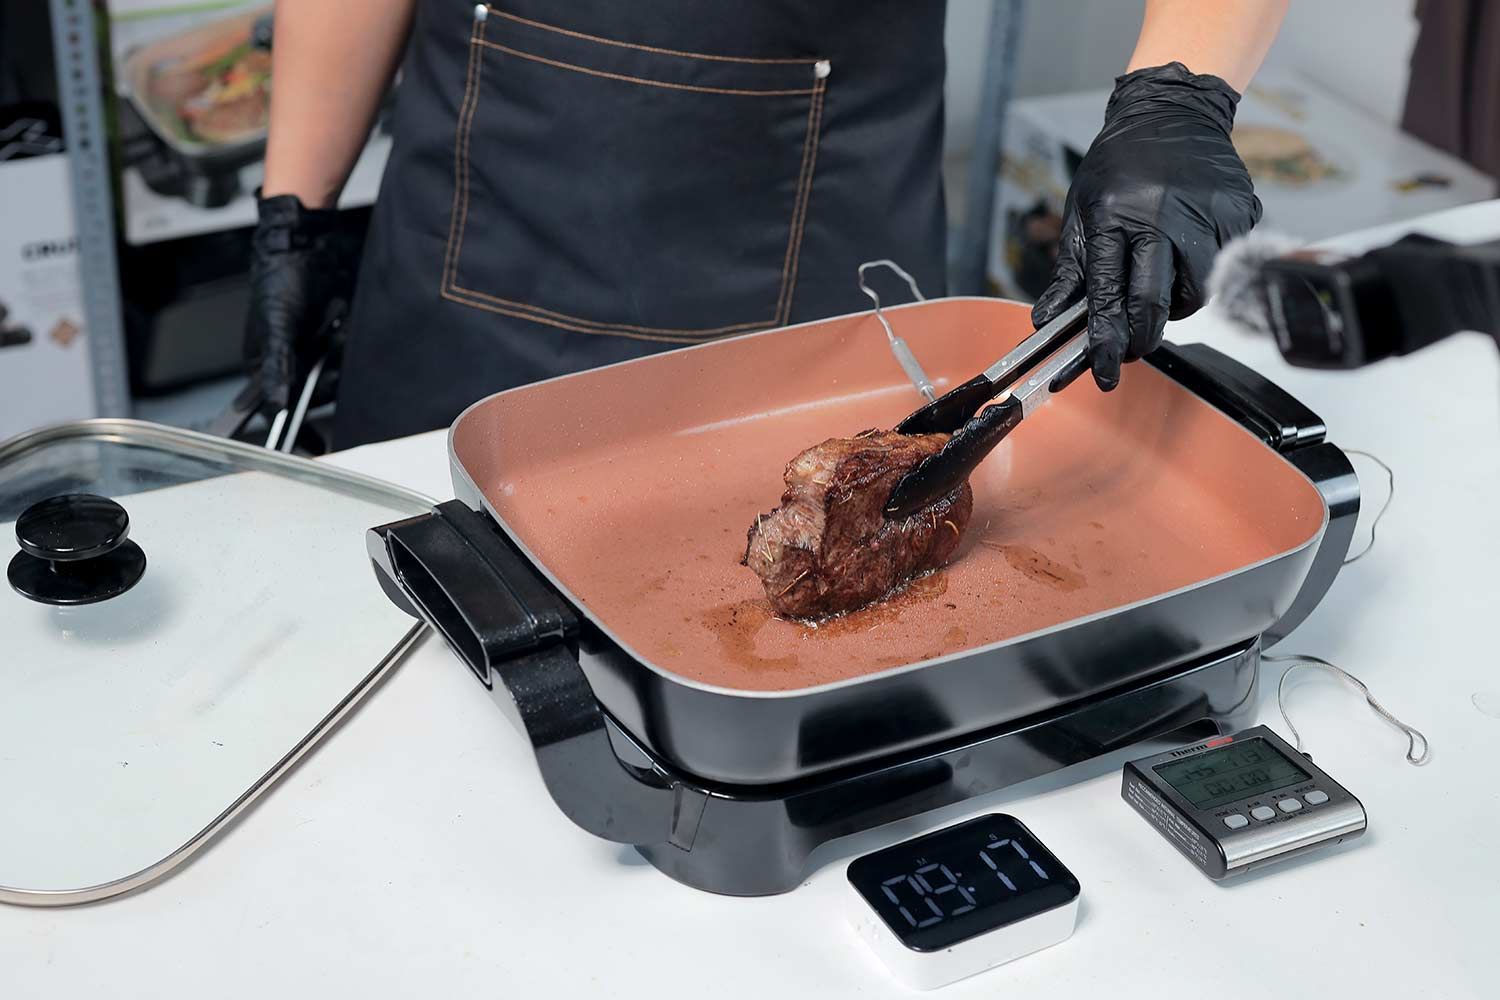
(1128, 558)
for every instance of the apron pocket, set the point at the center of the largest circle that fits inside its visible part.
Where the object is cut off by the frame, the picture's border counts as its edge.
(616, 188)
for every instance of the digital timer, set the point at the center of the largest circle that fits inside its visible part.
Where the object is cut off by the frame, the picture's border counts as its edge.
(949, 904)
(1233, 804)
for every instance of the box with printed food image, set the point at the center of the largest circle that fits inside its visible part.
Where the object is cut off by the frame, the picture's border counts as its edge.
(193, 85)
(207, 92)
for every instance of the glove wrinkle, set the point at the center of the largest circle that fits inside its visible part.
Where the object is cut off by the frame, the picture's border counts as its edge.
(1159, 192)
(1109, 330)
(298, 266)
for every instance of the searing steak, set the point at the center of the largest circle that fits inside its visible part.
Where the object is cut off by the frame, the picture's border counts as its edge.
(829, 548)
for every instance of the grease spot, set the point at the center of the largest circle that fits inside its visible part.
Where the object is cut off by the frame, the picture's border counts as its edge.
(657, 584)
(919, 591)
(736, 626)
(1488, 702)
(1036, 566)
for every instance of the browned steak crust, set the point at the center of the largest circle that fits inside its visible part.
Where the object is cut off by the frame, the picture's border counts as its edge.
(829, 548)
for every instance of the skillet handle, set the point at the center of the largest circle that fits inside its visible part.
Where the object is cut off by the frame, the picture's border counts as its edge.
(454, 569)
(1333, 474)
(1269, 411)
(1276, 417)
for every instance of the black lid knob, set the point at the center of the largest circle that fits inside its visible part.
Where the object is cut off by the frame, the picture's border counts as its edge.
(72, 527)
(75, 549)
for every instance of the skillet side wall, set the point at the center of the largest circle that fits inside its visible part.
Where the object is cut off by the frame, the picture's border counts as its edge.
(757, 737)
(750, 738)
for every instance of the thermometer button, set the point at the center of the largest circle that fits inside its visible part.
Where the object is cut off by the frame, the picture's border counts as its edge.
(1289, 805)
(1263, 812)
(1316, 797)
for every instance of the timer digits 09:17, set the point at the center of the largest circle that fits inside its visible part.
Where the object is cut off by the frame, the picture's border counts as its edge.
(952, 903)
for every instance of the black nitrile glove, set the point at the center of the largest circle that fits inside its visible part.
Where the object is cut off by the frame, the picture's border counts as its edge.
(1158, 193)
(300, 276)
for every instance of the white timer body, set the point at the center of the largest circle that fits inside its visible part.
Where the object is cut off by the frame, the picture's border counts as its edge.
(947, 905)
(928, 970)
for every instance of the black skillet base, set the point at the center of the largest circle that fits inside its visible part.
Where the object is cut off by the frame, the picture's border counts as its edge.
(758, 842)
(521, 641)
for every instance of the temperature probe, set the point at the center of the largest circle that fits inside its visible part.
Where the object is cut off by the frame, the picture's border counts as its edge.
(1234, 804)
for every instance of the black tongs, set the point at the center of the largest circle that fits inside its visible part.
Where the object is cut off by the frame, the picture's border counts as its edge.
(1048, 360)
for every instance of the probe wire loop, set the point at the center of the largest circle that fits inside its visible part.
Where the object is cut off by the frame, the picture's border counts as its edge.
(899, 348)
(1413, 735)
(1390, 477)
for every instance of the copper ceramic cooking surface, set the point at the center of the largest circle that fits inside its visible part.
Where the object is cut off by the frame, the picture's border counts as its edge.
(633, 487)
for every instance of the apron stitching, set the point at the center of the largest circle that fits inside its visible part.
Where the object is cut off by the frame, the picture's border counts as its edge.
(801, 222)
(461, 160)
(468, 130)
(452, 290)
(524, 310)
(650, 48)
(462, 296)
(642, 81)
(786, 263)
(604, 327)
(783, 305)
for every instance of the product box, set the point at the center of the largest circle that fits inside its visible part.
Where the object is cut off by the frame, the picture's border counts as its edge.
(192, 83)
(46, 375)
(1321, 168)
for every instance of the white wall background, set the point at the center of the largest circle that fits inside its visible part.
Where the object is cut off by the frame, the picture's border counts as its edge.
(1357, 49)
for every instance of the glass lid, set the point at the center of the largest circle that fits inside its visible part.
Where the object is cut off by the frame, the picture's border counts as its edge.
(184, 617)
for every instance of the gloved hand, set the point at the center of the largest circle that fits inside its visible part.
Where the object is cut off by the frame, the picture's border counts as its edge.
(1158, 193)
(300, 276)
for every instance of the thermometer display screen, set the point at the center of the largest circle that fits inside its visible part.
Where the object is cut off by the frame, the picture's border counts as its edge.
(1239, 770)
(949, 886)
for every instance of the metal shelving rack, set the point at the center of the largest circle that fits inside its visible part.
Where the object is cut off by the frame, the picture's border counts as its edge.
(80, 90)
(971, 241)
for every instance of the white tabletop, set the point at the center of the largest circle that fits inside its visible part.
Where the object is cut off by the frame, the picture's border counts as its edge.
(417, 854)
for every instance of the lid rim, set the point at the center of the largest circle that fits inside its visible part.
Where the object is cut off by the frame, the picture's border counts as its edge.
(154, 872)
(123, 430)
(143, 458)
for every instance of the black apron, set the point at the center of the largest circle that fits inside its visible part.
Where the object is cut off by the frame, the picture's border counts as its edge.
(574, 184)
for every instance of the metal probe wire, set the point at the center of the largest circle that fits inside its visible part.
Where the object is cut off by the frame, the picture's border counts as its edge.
(288, 421)
(1413, 735)
(273, 439)
(299, 415)
(899, 348)
(1390, 476)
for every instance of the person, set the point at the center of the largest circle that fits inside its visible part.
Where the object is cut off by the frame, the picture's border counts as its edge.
(577, 184)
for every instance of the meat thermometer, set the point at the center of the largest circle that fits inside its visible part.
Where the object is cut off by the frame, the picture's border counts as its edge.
(1234, 804)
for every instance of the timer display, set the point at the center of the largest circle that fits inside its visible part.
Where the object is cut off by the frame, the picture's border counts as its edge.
(936, 891)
